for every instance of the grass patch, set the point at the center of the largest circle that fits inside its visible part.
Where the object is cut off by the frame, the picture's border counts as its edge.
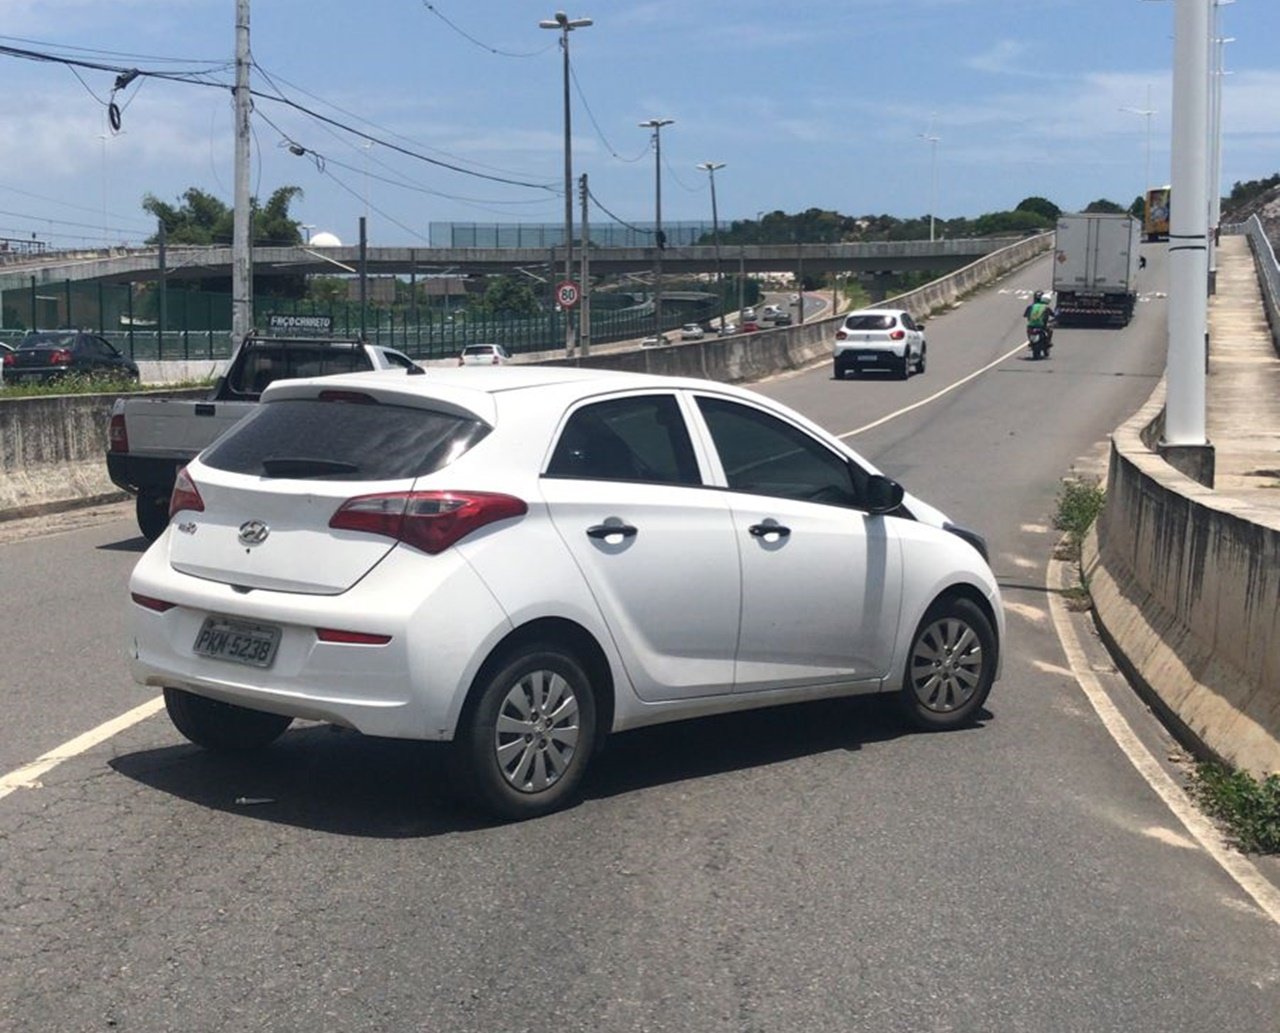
(79, 384)
(1079, 503)
(1249, 808)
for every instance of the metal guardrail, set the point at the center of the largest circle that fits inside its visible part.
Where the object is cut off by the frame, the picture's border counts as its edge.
(1268, 269)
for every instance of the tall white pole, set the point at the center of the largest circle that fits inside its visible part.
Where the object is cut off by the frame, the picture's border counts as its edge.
(1188, 227)
(241, 255)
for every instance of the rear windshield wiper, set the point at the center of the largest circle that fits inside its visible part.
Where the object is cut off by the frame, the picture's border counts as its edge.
(305, 466)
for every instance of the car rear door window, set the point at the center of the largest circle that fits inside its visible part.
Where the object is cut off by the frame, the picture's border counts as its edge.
(869, 323)
(331, 440)
(637, 438)
(764, 455)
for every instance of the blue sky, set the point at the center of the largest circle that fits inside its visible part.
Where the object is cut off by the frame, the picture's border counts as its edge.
(817, 104)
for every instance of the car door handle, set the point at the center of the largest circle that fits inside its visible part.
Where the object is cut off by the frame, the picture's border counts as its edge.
(609, 530)
(762, 530)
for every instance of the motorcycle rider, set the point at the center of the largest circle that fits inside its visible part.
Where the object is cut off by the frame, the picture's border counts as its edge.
(1040, 316)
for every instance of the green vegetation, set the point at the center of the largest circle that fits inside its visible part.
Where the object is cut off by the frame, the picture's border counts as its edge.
(1242, 193)
(79, 384)
(1079, 503)
(1103, 206)
(1249, 808)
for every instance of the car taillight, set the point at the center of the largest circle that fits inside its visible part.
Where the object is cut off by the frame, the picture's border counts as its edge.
(841, 335)
(897, 335)
(117, 434)
(428, 520)
(60, 357)
(159, 605)
(495, 360)
(10, 359)
(352, 638)
(354, 397)
(185, 495)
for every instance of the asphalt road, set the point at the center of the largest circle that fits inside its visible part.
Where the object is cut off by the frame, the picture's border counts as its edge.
(810, 868)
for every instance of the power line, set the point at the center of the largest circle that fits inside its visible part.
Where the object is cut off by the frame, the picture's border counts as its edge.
(600, 132)
(483, 46)
(621, 222)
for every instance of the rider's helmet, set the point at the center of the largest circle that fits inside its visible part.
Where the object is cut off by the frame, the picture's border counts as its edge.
(1039, 296)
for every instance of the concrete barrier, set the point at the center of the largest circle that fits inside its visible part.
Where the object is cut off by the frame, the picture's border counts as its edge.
(52, 447)
(1186, 591)
(52, 450)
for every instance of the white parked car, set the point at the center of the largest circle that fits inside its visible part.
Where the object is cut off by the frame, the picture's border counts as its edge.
(484, 355)
(692, 332)
(524, 560)
(879, 338)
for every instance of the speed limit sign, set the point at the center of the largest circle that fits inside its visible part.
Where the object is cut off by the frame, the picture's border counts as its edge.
(567, 294)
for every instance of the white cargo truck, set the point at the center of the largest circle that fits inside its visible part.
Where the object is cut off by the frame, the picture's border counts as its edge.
(1095, 268)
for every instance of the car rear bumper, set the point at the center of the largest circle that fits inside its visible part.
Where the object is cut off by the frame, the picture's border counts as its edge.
(870, 358)
(410, 687)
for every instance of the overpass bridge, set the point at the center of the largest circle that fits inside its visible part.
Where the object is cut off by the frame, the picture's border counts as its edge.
(121, 265)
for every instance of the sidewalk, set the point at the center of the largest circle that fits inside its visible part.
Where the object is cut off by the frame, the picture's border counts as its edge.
(1243, 386)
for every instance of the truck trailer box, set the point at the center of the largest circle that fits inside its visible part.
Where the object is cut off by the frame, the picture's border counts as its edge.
(1095, 269)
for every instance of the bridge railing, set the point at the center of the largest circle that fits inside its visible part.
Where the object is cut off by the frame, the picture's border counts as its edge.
(1264, 256)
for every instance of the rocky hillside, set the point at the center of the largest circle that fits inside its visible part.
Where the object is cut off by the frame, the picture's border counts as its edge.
(1266, 206)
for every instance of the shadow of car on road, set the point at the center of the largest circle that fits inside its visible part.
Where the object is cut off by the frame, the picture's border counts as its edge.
(137, 544)
(334, 780)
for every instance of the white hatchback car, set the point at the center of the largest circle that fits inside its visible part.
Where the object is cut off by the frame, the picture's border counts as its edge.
(484, 355)
(879, 338)
(523, 560)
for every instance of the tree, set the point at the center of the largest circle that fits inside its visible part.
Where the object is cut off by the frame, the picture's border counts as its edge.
(1041, 206)
(1103, 206)
(506, 296)
(1139, 207)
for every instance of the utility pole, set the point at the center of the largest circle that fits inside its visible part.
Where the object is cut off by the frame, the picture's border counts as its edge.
(709, 167)
(659, 238)
(584, 295)
(161, 288)
(562, 23)
(932, 141)
(241, 230)
(364, 281)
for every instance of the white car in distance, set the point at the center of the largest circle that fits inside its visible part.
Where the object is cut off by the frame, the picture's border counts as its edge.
(522, 561)
(879, 339)
(484, 355)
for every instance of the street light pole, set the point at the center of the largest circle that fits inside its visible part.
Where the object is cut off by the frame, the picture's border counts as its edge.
(656, 125)
(1216, 73)
(933, 171)
(709, 167)
(1146, 112)
(565, 25)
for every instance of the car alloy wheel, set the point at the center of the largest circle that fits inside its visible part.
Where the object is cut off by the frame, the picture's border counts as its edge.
(536, 734)
(950, 666)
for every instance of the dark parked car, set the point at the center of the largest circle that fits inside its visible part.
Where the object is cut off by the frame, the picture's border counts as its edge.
(50, 354)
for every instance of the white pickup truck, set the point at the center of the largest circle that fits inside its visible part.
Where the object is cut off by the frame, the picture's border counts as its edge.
(151, 439)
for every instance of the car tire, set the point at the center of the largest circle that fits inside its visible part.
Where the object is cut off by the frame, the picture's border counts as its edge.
(950, 666)
(920, 364)
(904, 367)
(222, 727)
(527, 735)
(152, 511)
(840, 371)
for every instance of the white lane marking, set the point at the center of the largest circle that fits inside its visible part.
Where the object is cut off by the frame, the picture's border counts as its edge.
(27, 776)
(1240, 868)
(937, 394)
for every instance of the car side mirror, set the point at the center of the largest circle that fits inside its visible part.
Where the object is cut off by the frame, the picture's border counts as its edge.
(883, 494)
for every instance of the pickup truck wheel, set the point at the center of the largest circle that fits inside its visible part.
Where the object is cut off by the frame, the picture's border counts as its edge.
(152, 509)
(222, 727)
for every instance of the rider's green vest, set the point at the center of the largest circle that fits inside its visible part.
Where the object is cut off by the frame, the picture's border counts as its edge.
(1038, 314)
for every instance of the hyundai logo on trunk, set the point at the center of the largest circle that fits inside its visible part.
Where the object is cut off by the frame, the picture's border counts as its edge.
(253, 532)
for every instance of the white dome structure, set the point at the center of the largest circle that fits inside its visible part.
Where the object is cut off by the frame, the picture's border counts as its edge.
(325, 239)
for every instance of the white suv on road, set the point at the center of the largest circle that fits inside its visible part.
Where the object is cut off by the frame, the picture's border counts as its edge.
(525, 559)
(879, 338)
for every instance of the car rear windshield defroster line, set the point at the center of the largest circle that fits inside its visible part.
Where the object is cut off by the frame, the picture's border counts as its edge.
(363, 442)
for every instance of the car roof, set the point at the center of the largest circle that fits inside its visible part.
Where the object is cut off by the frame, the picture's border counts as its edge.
(876, 312)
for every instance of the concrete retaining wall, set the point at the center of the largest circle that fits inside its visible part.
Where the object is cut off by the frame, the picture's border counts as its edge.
(52, 448)
(52, 451)
(1186, 589)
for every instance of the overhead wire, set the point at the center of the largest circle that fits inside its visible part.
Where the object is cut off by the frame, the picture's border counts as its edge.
(482, 45)
(591, 115)
(620, 221)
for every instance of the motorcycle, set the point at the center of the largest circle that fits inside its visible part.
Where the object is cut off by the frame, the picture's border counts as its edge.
(1040, 338)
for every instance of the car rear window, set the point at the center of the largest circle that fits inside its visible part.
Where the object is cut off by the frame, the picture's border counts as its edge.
(479, 349)
(869, 323)
(261, 365)
(344, 441)
(48, 341)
